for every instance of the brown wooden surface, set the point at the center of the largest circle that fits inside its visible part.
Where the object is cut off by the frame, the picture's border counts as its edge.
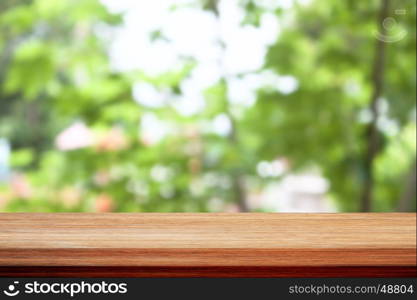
(256, 245)
(259, 272)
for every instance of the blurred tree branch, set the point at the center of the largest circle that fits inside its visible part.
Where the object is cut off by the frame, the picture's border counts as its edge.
(409, 193)
(373, 139)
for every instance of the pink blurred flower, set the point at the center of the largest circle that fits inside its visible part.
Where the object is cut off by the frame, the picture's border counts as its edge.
(113, 140)
(102, 177)
(146, 139)
(104, 203)
(20, 186)
(74, 137)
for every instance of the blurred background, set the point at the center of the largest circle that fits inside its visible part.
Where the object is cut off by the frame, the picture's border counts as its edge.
(207, 105)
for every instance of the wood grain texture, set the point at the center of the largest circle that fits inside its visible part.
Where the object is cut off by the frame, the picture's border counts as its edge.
(209, 272)
(134, 243)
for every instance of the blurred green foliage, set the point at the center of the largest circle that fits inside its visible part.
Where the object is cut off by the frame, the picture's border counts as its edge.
(46, 46)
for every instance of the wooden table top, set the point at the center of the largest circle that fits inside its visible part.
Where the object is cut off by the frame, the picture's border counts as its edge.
(176, 240)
